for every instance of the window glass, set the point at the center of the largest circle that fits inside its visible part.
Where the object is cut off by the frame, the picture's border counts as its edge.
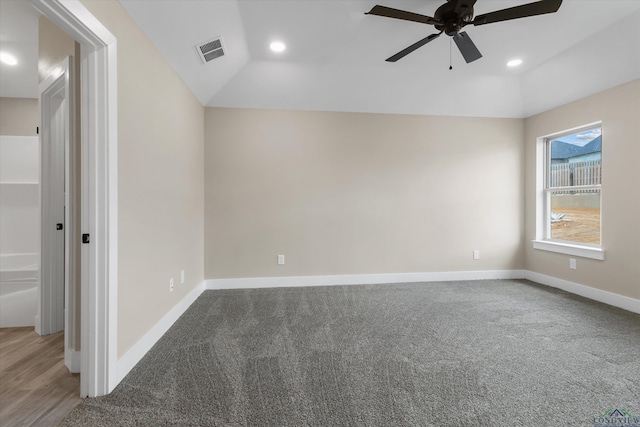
(573, 187)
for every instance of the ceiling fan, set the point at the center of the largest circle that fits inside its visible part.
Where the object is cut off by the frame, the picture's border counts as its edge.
(454, 15)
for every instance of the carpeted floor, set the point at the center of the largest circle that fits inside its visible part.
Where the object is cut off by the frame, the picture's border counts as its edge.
(478, 353)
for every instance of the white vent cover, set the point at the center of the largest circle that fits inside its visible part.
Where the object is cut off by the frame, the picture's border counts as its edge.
(210, 50)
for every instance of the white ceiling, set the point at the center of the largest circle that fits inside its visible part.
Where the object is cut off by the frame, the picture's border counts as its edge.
(335, 57)
(19, 36)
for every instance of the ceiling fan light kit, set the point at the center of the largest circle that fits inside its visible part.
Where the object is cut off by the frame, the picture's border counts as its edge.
(454, 15)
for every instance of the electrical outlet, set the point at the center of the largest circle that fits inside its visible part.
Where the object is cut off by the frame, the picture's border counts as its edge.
(171, 285)
(572, 263)
(280, 259)
(476, 254)
(182, 277)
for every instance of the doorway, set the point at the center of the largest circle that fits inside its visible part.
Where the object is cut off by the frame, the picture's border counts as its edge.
(56, 312)
(98, 216)
(99, 210)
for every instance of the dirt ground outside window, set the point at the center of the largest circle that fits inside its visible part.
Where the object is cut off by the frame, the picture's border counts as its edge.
(578, 225)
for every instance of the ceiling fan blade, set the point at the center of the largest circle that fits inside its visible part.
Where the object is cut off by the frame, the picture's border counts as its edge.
(413, 47)
(463, 5)
(468, 50)
(401, 14)
(530, 9)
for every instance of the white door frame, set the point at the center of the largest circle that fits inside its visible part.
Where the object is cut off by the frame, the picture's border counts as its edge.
(99, 141)
(54, 310)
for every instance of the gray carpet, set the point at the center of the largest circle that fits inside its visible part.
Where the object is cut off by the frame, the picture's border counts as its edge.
(479, 353)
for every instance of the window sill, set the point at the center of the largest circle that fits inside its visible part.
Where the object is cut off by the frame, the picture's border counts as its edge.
(569, 249)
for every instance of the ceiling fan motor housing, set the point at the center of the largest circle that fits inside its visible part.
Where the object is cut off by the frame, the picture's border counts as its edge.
(449, 21)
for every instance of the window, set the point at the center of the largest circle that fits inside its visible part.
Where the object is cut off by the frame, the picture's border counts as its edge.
(569, 193)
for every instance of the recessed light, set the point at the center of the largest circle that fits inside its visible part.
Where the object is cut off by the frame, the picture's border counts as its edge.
(277, 47)
(8, 59)
(514, 63)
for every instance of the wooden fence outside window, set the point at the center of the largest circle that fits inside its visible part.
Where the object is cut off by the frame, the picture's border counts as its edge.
(576, 174)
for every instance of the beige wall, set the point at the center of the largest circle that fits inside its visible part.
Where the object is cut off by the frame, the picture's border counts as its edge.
(54, 45)
(349, 193)
(161, 178)
(619, 111)
(19, 116)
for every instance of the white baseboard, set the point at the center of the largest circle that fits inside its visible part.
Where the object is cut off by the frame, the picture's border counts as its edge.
(72, 361)
(360, 279)
(599, 295)
(137, 352)
(621, 301)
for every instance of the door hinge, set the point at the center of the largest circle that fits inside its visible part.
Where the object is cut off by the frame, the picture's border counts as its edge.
(85, 238)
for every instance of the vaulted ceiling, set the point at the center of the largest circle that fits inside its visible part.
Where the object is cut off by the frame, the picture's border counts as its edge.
(335, 55)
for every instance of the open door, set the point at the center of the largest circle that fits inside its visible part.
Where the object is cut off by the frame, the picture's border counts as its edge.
(55, 311)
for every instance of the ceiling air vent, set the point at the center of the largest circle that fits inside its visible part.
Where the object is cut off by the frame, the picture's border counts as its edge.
(210, 50)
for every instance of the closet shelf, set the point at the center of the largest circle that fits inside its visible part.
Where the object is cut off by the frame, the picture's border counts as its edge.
(17, 183)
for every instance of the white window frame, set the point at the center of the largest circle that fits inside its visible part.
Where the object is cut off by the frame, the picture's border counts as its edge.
(543, 240)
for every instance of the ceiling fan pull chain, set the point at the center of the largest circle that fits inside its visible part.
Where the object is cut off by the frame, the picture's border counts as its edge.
(450, 47)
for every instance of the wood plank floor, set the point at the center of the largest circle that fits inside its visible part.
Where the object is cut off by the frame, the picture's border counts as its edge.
(36, 389)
